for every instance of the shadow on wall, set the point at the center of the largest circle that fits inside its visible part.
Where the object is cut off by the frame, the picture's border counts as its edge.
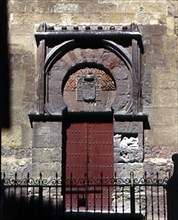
(21, 207)
(4, 68)
(16, 207)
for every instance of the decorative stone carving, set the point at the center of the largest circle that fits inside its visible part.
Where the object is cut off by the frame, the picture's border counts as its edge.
(87, 88)
(89, 85)
(106, 82)
(127, 149)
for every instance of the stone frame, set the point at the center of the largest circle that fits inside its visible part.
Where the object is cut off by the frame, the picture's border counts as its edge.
(62, 40)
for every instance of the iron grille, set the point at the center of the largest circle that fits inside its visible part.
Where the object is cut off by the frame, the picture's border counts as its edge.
(44, 198)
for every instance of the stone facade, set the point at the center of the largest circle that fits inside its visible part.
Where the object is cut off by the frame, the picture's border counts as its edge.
(157, 24)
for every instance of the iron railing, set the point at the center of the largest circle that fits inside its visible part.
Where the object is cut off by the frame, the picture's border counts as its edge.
(53, 198)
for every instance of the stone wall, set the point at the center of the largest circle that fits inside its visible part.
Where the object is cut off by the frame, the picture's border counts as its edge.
(156, 21)
(160, 94)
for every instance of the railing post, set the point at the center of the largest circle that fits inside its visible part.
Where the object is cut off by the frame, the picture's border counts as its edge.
(132, 193)
(172, 191)
(2, 196)
(40, 195)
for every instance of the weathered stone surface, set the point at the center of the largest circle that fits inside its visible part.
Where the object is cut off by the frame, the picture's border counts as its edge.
(47, 148)
(47, 134)
(16, 161)
(12, 138)
(157, 137)
(164, 167)
(123, 170)
(47, 169)
(45, 155)
(128, 127)
(158, 26)
(162, 151)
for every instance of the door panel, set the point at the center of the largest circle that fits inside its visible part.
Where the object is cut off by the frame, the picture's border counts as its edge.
(76, 152)
(76, 164)
(100, 149)
(89, 157)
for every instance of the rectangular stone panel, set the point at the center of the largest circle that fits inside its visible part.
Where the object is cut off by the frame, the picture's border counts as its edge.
(48, 170)
(47, 134)
(48, 155)
(128, 127)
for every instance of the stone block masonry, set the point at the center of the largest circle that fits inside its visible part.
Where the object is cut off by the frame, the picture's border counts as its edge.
(157, 24)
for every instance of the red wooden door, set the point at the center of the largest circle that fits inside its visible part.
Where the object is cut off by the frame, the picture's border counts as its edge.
(89, 166)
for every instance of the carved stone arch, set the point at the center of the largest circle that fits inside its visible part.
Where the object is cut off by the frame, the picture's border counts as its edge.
(99, 58)
(60, 50)
(120, 52)
(66, 48)
(56, 53)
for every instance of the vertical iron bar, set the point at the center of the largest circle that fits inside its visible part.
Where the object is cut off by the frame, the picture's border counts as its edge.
(56, 202)
(2, 195)
(86, 195)
(49, 202)
(140, 199)
(146, 196)
(152, 203)
(27, 188)
(40, 195)
(33, 201)
(132, 193)
(20, 203)
(15, 200)
(78, 198)
(108, 189)
(70, 195)
(94, 198)
(164, 203)
(101, 182)
(8, 198)
(115, 191)
(15, 190)
(123, 200)
(158, 202)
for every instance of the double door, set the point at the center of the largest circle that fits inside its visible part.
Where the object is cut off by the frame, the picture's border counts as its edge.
(89, 166)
